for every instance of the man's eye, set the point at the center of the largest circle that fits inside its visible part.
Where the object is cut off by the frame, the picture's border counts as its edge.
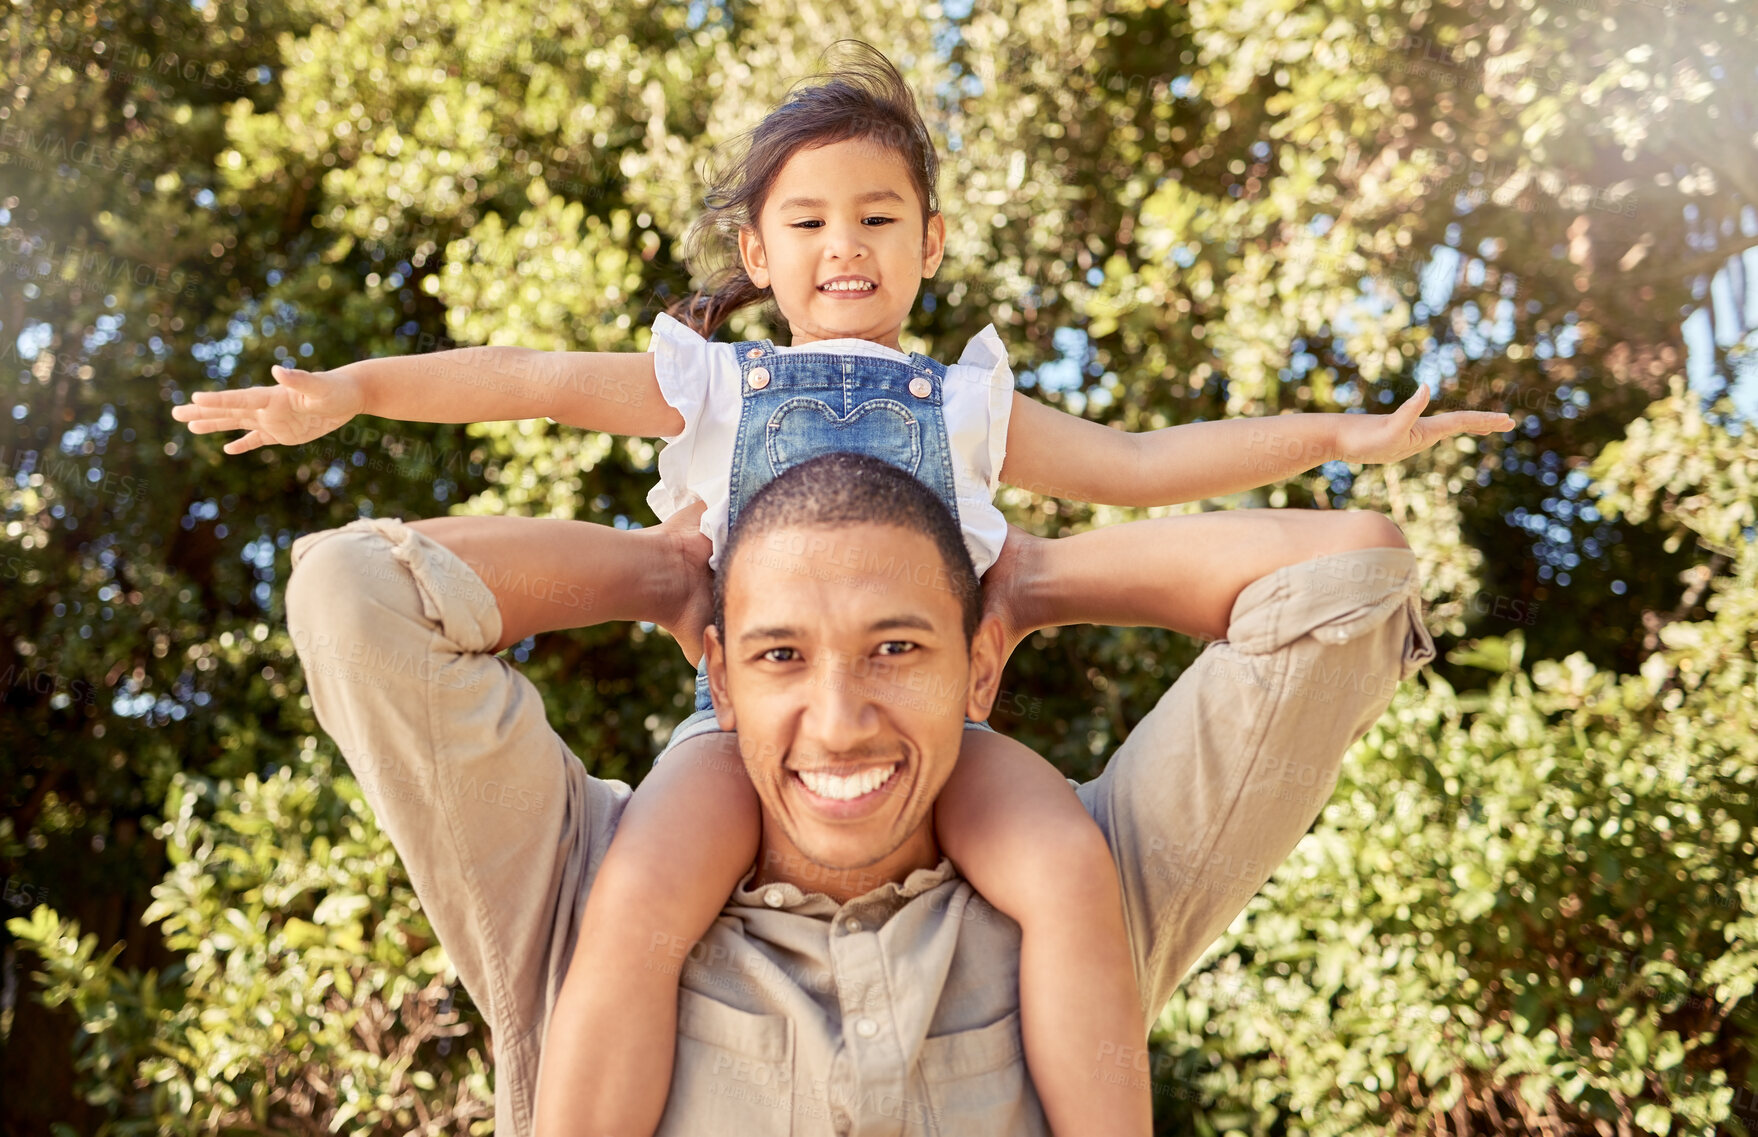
(780, 655)
(900, 647)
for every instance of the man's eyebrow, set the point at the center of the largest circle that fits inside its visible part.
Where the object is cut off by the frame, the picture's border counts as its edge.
(889, 623)
(860, 199)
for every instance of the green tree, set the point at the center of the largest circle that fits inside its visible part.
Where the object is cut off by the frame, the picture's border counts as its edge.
(1171, 212)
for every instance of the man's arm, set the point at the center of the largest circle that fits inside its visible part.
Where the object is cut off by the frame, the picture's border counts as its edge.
(496, 821)
(1213, 789)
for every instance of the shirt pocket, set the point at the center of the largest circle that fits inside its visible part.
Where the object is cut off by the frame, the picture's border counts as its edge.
(977, 1085)
(733, 1072)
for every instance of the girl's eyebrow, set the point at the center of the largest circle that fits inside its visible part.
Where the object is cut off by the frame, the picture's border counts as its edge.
(860, 199)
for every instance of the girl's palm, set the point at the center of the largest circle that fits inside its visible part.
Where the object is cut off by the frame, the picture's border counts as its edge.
(1381, 439)
(302, 405)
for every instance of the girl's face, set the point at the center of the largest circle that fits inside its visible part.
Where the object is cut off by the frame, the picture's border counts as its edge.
(841, 212)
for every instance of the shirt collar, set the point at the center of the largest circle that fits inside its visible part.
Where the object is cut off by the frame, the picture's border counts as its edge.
(783, 895)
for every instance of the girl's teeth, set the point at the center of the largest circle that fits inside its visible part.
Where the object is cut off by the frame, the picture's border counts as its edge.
(847, 788)
(848, 288)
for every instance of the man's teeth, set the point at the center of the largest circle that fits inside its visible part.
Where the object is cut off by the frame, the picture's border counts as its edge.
(849, 286)
(846, 788)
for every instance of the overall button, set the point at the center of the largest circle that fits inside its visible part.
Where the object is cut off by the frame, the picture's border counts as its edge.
(866, 1027)
(921, 387)
(851, 925)
(759, 378)
(774, 898)
(754, 353)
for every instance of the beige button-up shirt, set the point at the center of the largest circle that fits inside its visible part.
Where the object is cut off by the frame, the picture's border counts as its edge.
(897, 1013)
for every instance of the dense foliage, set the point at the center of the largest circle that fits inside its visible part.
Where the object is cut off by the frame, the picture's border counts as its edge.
(1530, 905)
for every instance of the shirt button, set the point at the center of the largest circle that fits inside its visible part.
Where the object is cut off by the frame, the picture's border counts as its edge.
(759, 378)
(866, 1027)
(774, 898)
(921, 387)
(754, 353)
(851, 925)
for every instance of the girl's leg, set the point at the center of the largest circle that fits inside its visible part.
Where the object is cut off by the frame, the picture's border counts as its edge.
(1182, 573)
(547, 574)
(687, 836)
(1014, 828)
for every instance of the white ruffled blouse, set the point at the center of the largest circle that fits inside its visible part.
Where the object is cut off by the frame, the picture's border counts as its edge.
(700, 378)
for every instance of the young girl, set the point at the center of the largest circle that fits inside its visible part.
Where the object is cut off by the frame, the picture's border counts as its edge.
(833, 210)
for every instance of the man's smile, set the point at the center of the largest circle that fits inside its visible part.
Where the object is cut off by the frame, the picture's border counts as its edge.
(848, 794)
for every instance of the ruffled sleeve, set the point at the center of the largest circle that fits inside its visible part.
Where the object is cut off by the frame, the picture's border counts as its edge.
(986, 352)
(681, 363)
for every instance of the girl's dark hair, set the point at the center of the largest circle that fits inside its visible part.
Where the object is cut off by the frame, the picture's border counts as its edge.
(862, 97)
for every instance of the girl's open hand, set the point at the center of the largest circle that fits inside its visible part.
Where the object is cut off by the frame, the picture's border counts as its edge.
(1392, 438)
(302, 405)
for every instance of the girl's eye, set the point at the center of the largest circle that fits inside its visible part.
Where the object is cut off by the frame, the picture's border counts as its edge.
(903, 647)
(779, 655)
(881, 220)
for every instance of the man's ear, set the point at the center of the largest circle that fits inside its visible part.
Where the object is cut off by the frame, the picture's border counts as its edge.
(986, 665)
(751, 253)
(723, 708)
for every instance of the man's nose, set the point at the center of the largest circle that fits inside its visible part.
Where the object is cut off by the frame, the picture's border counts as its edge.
(840, 711)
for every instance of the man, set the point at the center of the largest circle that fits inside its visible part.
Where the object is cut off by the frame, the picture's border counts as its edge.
(854, 984)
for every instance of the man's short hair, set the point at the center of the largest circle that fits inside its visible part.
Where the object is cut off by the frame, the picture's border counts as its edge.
(840, 489)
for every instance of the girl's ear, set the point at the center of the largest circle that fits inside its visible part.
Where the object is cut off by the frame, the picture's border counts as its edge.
(933, 244)
(751, 253)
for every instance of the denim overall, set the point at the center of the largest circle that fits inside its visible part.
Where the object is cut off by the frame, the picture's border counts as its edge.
(796, 406)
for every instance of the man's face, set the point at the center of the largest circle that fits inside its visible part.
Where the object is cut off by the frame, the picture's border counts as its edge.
(844, 210)
(846, 674)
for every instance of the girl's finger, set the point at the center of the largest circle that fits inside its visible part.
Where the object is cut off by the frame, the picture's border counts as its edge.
(229, 422)
(239, 445)
(1412, 407)
(247, 398)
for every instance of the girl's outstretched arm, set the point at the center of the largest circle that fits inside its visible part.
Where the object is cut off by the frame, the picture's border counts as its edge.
(1054, 453)
(613, 391)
